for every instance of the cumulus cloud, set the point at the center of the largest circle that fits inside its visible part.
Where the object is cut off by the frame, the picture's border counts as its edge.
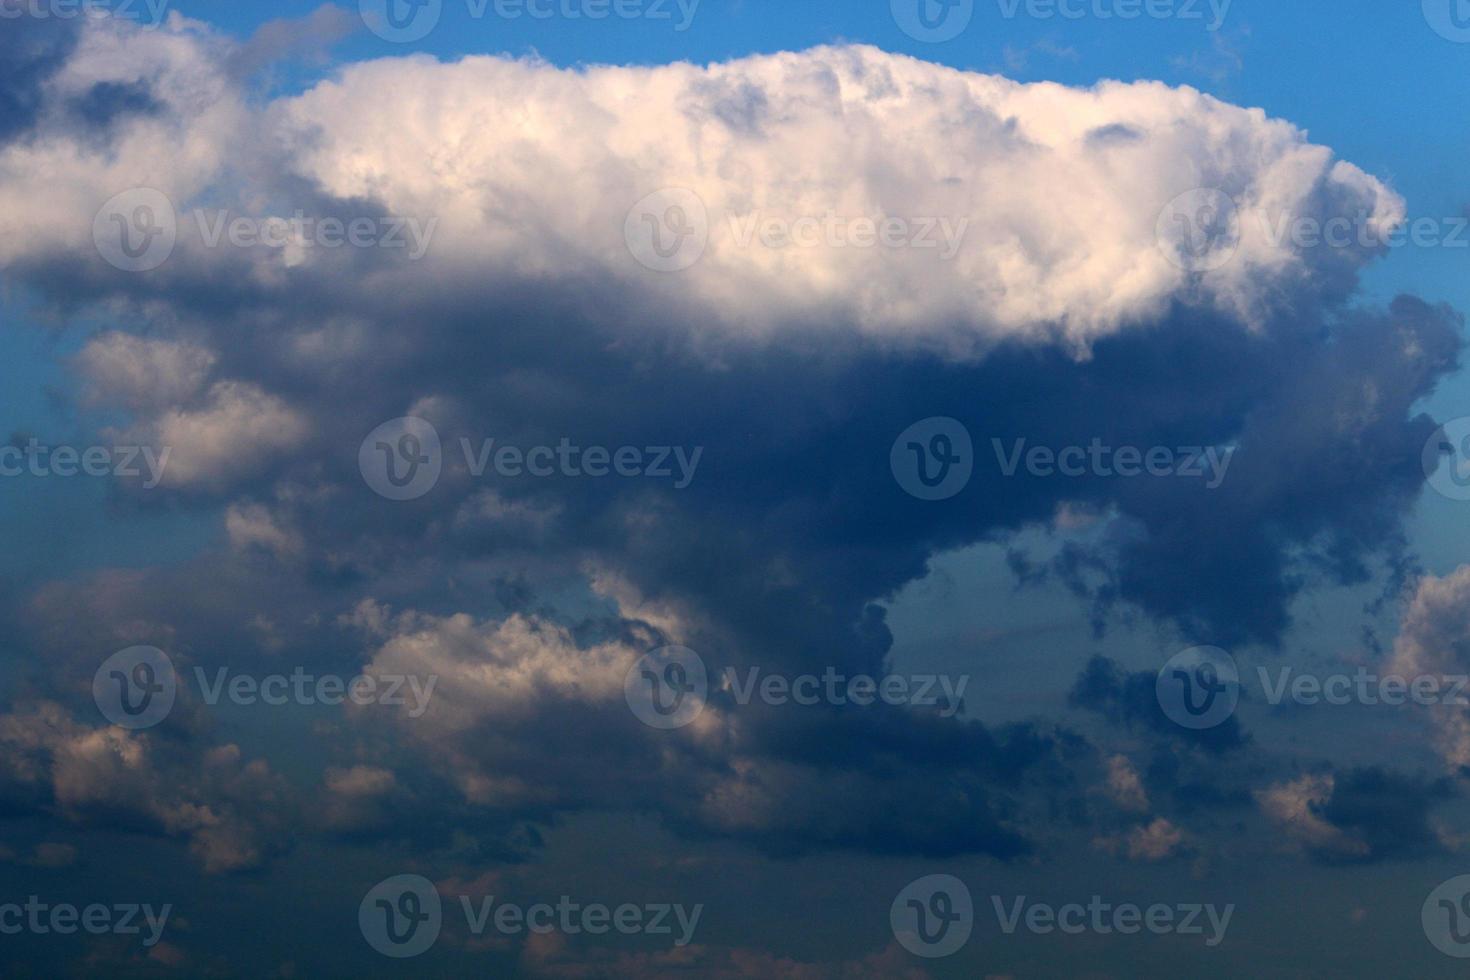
(1058, 319)
(236, 430)
(1434, 642)
(142, 373)
(1059, 228)
(226, 809)
(1357, 815)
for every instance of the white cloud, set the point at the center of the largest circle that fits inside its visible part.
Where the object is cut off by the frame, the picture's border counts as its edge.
(237, 430)
(1434, 641)
(531, 171)
(143, 372)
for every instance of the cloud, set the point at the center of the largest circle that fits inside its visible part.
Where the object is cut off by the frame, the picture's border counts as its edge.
(1058, 320)
(1359, 815)
(1434, 641)
(142, 373)
(1059, 229)
(225, 808)
(236, 430)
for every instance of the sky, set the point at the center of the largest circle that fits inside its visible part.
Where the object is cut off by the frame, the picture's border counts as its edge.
(644, 488)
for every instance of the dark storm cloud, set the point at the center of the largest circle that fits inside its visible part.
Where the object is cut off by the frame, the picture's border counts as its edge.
(1130, 700)
(1389, 812)
(31, 50)
(775, 554)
